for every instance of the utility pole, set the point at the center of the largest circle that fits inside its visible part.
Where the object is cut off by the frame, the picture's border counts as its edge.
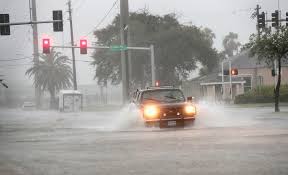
(152, 65)
(257, 14)
(124, 15)
(258, 33)
(33, 13)
(230, 79)
(222, 74)
(72, 44)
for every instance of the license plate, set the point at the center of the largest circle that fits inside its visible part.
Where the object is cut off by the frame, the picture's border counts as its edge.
(171, 123)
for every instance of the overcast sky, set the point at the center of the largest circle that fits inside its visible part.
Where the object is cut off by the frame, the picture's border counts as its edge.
(222, 16)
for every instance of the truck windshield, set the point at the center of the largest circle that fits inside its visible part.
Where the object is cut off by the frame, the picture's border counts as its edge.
(164, 96)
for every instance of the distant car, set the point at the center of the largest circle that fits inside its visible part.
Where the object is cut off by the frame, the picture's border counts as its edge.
(28, 106)
(164, 106)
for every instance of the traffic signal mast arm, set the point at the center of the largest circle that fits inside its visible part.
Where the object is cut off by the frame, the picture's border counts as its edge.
(280, 20)
(31, 22)
(151, 49)
(102, 47)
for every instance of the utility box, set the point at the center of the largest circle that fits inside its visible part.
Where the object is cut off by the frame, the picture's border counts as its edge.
(70, 101)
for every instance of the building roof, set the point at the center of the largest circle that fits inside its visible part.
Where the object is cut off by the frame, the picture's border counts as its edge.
(215, 78)
(244, 61)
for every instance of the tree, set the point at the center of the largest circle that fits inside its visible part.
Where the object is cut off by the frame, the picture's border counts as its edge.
(230, 44)
(269, 47)
(177, 49)
(53, 73)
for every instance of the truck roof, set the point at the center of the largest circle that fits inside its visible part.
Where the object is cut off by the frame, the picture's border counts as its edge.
(159, 88)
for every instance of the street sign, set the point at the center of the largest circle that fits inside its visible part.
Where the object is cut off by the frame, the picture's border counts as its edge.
(118, 48)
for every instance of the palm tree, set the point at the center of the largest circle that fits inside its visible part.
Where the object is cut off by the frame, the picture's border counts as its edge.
(53, 74)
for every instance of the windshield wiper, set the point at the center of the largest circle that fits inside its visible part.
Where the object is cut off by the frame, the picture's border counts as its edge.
(171, 97)
(174, 99)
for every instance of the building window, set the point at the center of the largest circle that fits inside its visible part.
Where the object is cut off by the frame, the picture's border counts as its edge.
(247, 84)
(260, 80)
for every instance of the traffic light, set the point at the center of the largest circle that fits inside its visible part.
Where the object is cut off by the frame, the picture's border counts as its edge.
(46, 45)
(275, 19)
(157, 83)
(261, 20)
(286, 19)
(57, 26)
(83, 46)
(4, 30)
(234, 71)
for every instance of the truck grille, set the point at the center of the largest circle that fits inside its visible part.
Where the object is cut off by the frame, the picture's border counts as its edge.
(171, 112)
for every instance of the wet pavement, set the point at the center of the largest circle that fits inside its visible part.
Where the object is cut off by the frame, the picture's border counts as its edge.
(223, 140)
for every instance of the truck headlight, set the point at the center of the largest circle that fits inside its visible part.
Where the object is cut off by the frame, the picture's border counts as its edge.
(189, 109)
(151, 111)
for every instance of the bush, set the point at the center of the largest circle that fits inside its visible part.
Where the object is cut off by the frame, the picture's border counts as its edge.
(264, 94)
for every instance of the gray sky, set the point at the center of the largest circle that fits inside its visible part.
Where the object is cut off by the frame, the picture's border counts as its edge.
(222, 16)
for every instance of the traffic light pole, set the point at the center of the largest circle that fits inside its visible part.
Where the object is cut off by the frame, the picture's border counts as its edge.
(258, 13)
(222, 70)
(124, 15)
(153, 65)
(230, 78)
(35, 50)
(72, 44)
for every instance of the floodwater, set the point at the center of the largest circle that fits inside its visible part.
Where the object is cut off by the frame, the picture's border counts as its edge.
(208, 116)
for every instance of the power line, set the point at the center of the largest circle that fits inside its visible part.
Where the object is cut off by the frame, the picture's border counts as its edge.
(235, 12)
(79, 6)
(103, 19)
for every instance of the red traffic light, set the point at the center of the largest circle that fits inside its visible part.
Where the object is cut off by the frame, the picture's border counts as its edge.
(46, 45)
(83, 46)
(157, 83)
(234, 71)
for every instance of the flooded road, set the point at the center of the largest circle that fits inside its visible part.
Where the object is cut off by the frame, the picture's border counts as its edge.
(223, 140)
